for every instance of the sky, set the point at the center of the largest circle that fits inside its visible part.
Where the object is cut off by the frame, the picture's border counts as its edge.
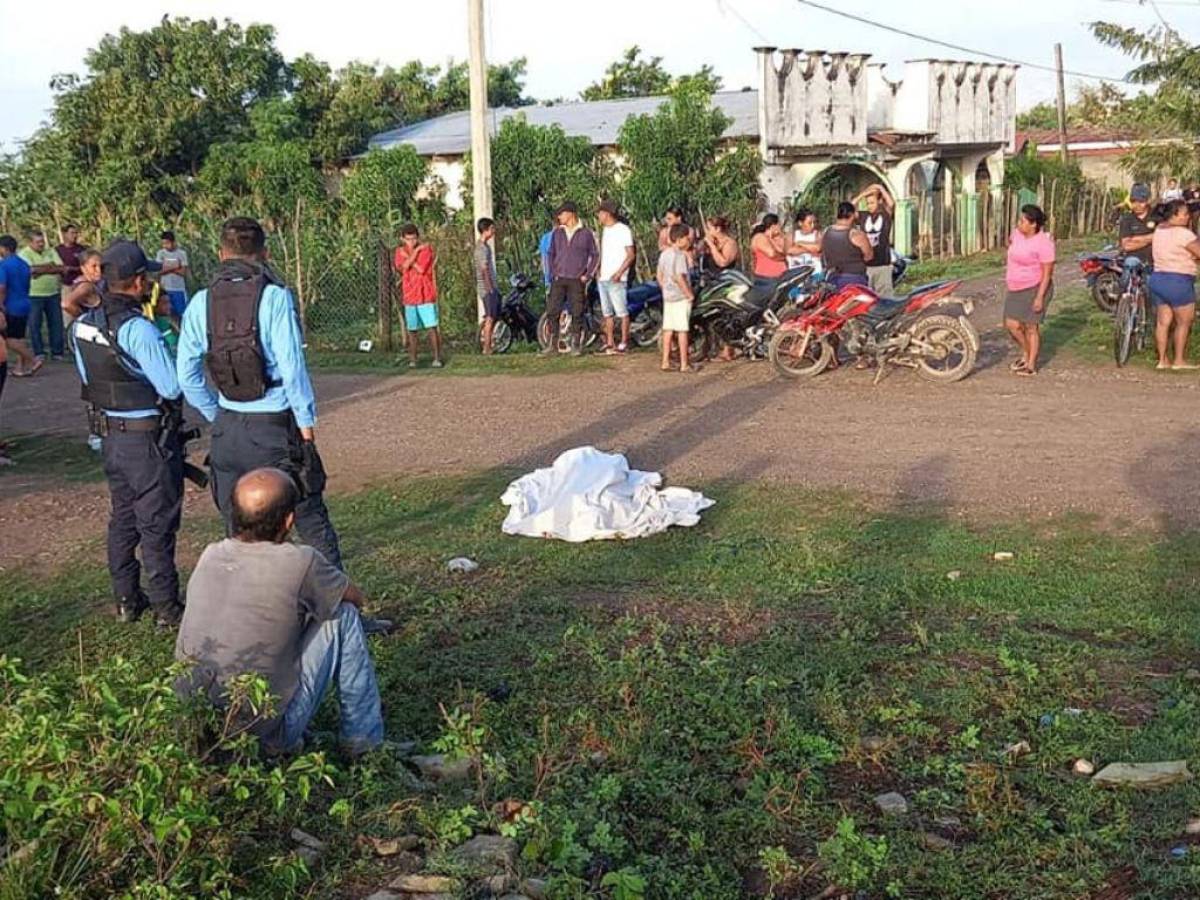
(568, 43)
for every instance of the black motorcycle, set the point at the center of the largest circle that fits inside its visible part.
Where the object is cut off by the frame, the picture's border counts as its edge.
(516, 318)
(742, 313)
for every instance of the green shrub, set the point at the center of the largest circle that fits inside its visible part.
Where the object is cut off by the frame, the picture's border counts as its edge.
(112, 786)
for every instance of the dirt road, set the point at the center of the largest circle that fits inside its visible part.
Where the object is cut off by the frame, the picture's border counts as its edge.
(1117, 444)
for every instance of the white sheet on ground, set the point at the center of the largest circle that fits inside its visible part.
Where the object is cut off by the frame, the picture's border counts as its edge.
(588, 495)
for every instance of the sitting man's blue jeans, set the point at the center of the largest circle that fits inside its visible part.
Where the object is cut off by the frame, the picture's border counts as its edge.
(336, 651)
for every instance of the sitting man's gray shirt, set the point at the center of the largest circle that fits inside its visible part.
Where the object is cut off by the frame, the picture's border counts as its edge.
(248, 608)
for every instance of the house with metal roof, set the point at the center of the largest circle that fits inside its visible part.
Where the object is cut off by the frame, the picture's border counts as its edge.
(814, 115)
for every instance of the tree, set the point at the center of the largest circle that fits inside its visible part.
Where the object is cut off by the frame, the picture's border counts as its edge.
(1039, 116)
(1167, 60)
(633, 76)
(678, 156)
(535, 168)
(381, 191)
(362, 100)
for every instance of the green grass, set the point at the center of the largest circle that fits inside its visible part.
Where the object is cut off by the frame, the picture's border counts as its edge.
(991, 261)
(692, 704)
(52, 458)
(459, 361)
(1075, 325)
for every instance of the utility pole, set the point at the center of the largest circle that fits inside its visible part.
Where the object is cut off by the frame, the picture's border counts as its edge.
(1062, 103)
(481, 154)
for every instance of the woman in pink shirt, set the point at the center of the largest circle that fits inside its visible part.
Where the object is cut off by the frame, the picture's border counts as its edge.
(1173, 284)
(1029, 284)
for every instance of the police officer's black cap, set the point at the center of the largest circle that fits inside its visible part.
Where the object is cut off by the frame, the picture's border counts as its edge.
(121, 260)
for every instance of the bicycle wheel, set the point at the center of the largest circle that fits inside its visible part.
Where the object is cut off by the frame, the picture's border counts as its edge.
(1124, 325)
(1143, 328)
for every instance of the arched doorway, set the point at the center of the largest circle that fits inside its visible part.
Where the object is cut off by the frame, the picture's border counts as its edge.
(838, 182)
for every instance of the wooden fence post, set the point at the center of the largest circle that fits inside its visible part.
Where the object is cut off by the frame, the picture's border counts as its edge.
(384, 295)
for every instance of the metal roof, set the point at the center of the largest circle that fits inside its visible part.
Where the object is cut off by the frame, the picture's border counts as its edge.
(599, 121)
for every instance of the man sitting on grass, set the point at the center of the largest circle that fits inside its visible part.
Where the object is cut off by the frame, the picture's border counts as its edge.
(258, 603)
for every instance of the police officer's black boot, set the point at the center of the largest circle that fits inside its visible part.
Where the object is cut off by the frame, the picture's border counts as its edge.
(130, 609)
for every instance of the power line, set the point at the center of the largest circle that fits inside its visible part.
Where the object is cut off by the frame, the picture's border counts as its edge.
(722, 5)
(862, 20)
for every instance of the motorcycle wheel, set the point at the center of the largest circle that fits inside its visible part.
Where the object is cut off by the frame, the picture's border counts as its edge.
(956, 352)
(645, 330)
(1124, 330)
(1106, 291)
(784, 353)
(502, 337)
(543, 331)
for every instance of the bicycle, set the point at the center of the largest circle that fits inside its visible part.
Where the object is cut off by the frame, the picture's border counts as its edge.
(1132, 319)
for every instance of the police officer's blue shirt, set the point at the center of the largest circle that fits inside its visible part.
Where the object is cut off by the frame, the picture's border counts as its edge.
(283, 347)
(139, 338)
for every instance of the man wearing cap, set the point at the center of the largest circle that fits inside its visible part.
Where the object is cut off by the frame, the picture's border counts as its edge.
(243, 335)
(573, 258)
(129, 380)
(1135, 230)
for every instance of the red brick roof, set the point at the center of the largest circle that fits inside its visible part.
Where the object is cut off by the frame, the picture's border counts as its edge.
(1041, 136)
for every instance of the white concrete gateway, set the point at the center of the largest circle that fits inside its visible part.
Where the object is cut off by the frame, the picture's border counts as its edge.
(944, 124)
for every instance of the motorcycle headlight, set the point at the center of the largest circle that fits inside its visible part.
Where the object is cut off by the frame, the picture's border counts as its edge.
(515, 279)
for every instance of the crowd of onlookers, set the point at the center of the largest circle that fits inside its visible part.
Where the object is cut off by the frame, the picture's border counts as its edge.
(856, 248)
(43, 287)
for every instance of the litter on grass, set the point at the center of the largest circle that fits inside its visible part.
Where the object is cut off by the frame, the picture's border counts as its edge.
(588, 495)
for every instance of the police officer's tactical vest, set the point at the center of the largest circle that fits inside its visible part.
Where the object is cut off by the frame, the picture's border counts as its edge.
(235, 359)
(113, 379)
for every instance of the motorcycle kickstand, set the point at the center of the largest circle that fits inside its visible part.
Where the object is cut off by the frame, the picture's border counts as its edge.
(879, 364)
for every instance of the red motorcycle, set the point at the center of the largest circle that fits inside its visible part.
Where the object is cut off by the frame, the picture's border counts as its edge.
(910, 331)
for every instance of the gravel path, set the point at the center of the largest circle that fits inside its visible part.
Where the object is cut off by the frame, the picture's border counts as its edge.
(1079, 437)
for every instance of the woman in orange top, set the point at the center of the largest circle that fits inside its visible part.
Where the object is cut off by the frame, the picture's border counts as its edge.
(768, 248)
(418, 289)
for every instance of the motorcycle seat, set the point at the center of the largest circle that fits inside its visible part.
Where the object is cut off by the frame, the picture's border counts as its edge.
(885, 309)
(759, 294)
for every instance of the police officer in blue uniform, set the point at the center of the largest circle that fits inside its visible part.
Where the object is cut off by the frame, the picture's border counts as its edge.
(243, 332)
(130, 381)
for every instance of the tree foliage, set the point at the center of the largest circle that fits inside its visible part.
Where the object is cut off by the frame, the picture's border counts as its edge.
(382, 190)
(1105, 106)
(1166, 60)
(677, 157)
(635, 76)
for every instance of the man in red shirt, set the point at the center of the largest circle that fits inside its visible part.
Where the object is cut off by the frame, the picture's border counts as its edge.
(418, 288)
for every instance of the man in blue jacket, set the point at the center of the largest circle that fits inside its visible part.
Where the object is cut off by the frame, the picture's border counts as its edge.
(243, 331)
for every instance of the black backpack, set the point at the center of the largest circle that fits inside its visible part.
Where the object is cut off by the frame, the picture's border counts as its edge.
(235, 359)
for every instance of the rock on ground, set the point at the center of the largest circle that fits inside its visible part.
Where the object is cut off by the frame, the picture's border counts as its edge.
(892, 804)
(490, 852)
(1143, 775)
(425, 884)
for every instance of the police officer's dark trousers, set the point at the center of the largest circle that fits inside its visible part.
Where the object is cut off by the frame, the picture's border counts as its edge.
(146, 485)
(242, 442)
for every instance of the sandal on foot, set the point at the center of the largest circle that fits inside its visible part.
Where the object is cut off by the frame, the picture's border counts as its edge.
(1026, 373)
(1017, 366)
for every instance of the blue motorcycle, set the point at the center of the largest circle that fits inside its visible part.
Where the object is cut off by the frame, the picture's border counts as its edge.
(645, 318)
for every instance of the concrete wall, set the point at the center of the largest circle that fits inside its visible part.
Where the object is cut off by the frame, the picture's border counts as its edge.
(960, 102)
(811, 99)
